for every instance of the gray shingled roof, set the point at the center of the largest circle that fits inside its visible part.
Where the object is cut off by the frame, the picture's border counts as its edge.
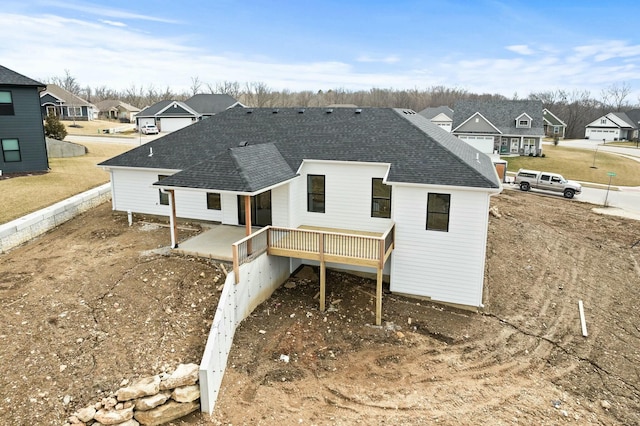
(109, 104)
(152, 110)
(418, 151)
(67, 97)
(502, 114)
(434, 111)
(631, 117)
(210, 104)
(551, 118)
(12, 78)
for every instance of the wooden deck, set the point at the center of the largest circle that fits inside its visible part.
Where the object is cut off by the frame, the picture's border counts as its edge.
(322, 245)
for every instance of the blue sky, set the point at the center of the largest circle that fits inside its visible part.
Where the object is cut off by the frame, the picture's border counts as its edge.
(483, 46)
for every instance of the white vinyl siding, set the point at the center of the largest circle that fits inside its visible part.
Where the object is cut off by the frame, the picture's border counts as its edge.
(600, 134)
(280, 206)
(445, 266)
(134, 190)
(229, 209)
(347, 196)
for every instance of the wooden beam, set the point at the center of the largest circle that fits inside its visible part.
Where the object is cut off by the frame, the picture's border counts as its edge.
(236, 263)
(247, 221)
(379, 297)
(172, 219)
(323, 274)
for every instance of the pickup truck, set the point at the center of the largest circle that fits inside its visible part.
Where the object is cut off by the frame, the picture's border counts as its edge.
(528, 179)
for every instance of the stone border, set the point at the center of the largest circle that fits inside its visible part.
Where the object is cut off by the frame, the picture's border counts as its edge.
(23, 229)
(151, 401)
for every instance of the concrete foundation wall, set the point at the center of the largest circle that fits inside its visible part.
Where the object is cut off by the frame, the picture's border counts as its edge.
(62, 149)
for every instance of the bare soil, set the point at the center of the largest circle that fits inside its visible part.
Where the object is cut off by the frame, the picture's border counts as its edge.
(95, 302)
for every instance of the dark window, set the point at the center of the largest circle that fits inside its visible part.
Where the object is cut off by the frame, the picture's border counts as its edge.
(315, 193)
(545, 178)
(438, 212)
(6, 103)
(11, 151)
(213, 201)
(164, 197)
(380, 199)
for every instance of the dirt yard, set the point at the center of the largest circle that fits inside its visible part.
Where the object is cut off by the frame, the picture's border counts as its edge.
(95, 302)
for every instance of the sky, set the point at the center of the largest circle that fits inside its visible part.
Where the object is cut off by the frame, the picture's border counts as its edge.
(512, 47)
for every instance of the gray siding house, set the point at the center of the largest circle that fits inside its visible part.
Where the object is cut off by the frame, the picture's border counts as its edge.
(22, 143)
(67, 106)
(504, 127)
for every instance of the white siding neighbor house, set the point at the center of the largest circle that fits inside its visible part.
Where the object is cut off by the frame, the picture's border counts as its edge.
(615, 126)
(346, 171)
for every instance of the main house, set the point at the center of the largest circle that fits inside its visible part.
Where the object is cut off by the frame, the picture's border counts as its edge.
(170, 115)
(22, 142)
(65, 105)
(614, 126)
(343, 170)
(504, 127)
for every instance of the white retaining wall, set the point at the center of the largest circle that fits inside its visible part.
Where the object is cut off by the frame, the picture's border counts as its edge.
(27, 227)
(258, 280)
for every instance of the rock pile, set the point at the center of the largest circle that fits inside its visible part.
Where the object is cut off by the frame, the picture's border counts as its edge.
(148, 401)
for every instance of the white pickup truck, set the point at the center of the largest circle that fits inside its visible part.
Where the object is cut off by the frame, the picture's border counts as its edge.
(528, 179)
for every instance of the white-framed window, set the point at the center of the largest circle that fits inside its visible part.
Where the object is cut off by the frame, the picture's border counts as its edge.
(74, 111)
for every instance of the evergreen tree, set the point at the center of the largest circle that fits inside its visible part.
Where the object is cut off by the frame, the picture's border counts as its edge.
(53, 128)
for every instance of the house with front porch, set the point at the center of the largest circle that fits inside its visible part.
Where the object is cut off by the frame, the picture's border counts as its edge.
(503, 127)
(375, 190)
(55, 100)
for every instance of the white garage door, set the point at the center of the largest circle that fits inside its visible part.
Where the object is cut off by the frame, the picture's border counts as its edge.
(600, 134)
(173, 124)
(481, 143)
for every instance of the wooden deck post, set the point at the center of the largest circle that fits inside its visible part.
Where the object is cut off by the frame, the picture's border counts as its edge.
(173, 225)
(247, 221)
(323, 272)
(379, 282)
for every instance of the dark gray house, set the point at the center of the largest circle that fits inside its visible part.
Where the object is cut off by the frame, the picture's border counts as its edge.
(505, 127)
(60, 102)
(22, 143)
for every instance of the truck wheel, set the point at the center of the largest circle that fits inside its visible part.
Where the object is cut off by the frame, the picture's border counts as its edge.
(524, 186)
(569, 193)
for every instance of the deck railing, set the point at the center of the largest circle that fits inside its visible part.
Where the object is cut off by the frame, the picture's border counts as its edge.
(318, 245)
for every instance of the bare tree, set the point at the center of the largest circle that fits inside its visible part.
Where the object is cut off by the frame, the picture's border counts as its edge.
(231, 88)
(67, 82)
(615, 95)
(196, 84)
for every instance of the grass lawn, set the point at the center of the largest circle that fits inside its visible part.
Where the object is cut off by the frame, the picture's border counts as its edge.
(97, 127)
(68, 176)
(575, 164)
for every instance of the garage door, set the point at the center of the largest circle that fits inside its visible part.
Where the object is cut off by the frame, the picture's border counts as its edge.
(600, 134)
(172, 124)
(481, 143)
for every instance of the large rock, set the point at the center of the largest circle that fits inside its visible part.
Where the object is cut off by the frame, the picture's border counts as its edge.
(185, 374)
(114, 417)
(186, 393)
(86, 414)
(165, 413)
(143, 387)
(149, 402)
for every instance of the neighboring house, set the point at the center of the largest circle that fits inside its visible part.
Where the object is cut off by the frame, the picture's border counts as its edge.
(22, 142)
(371, 170)
(168, 116)
(112, 109)
(504, 127)
(210, 104)
(65, 105)
(615, 126)
(553, 126)
(442, 116)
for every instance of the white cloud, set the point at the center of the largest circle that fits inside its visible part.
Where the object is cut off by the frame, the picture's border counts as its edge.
(108, 12)
(521, 49)
(113, 23)
(99, 53)
(391, 59)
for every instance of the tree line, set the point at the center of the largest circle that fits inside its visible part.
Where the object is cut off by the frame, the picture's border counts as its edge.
(576, 108)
